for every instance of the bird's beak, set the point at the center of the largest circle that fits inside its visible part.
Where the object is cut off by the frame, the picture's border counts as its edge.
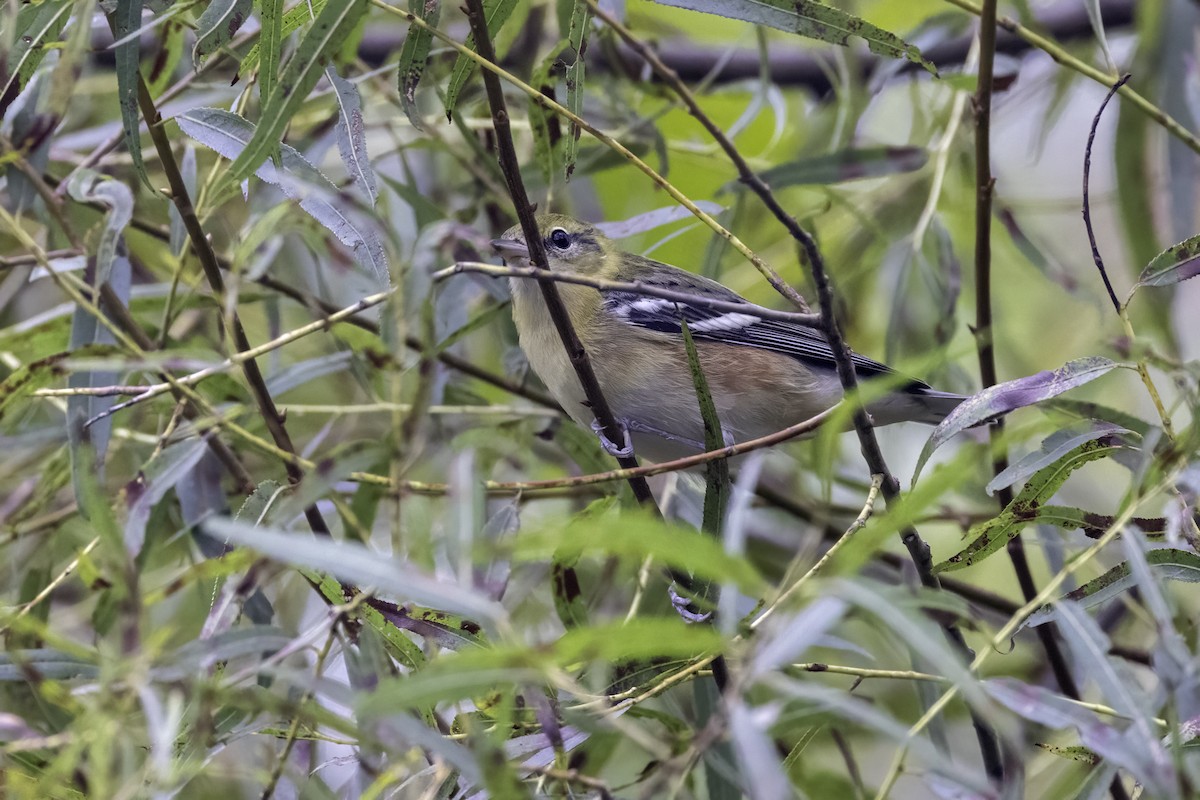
(510, 248)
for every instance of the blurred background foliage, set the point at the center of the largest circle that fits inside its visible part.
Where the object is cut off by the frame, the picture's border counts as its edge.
(320, 571)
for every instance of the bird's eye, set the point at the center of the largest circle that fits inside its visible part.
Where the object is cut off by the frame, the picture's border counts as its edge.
(560, 239)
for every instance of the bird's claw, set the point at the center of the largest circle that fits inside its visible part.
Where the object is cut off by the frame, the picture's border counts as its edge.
(683, 607)
(609, 447)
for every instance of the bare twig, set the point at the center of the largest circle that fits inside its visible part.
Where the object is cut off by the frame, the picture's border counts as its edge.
(1087, 208)
(638, 287)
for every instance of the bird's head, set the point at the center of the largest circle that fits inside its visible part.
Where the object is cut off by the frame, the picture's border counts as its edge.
(571, 245)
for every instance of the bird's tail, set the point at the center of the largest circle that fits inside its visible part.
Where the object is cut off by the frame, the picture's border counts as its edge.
(918, 404)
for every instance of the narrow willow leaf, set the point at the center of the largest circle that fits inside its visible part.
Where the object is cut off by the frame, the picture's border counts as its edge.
(218, 25)
(650, 220)
(352, 135)
(496, 12)
(356, 564)
(1011, 395)
(1175, 264)
(1040, 705)
(36, 27)
(846, 165)
(228, 134)
(988, 537)
(86, 333)
(1165, 563)
(92, 187)
(400, 646)
(327, 34)
(153, 482)
(577, 41)
(270, 46)
(545, 126)
(716, 472)
(811, 20)
(125, 20)
(762, 771)
(171, 47)
(1097, 22)
(1054, 447)
(46, 663)
(415, 55)
(1075, 753)
(637, 538)
(293, 19)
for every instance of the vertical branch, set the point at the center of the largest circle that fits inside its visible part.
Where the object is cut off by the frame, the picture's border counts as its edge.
(511, 168)
(985, 340)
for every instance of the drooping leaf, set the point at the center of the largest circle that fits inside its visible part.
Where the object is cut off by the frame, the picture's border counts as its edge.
(352, 135)
(270, 45)
(36, 25)
(1011, 395)
(496, 13)
(415, 55)
(328, 32)
(153, 482)
(988, 537)
(649, 220)
(577, 45)
(1054, 447)
(1175, 264)
(228, 134)
(218, 25)
(358, 565)
(811, 20)
(126, 19)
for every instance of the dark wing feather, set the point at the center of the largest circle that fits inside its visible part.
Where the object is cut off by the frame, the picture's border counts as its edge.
(802, 342)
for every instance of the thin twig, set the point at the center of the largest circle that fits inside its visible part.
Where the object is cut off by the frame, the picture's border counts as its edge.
(639, 287)
(1087, 208)
(212, 272)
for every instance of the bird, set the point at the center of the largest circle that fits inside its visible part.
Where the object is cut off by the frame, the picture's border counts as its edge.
(763, 374)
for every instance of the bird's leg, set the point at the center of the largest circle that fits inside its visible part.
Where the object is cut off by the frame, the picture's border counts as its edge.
(612, 449)
(641, 427)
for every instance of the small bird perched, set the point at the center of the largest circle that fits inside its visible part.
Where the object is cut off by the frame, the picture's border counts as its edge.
(764, 375)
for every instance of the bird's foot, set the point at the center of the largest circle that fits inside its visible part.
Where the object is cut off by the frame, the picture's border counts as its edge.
(685, 607)
(609, 447)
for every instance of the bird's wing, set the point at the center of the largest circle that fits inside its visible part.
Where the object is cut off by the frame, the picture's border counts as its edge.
(802, 342)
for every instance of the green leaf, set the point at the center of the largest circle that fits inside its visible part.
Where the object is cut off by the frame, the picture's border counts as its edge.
(637, 536)
(1054, 447)
(218, 25)
(988, 537)
(298, 15)
(171, 46)
(1166, 563)
(545, 126)
(36, 25)
(496, 12)
(846, 165)
(1175, 264)
(270, 45)
(336, 22)
(811, 20)
(352, 136)
(415, 55)
(125, 20)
